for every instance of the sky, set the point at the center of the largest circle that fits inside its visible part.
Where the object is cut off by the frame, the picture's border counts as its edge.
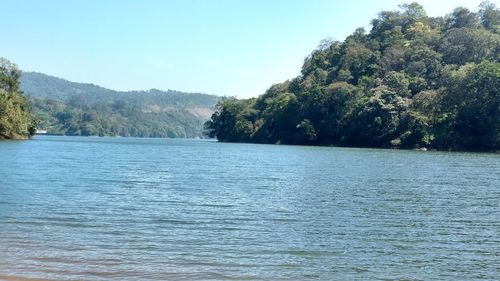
(223, 47)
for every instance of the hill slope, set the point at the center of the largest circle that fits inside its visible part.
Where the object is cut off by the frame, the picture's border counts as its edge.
(70, 108)
(412, 81)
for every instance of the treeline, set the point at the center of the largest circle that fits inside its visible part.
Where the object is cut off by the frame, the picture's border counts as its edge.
(412, 81)
(77, 117)
(78, 109)
(16, 119)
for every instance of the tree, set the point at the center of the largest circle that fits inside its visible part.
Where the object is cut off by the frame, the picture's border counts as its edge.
(413, 10)
(359, 61)
(397, 82)
(230, 120)
(16, 120)
(9, 76)
(462, 17)
(472, 107)
(374, 120)
(490, 16)
(463, 45)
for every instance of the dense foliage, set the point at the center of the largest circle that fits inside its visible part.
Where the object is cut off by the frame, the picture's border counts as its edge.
(70, 108)
(412, 81)
(16, 120)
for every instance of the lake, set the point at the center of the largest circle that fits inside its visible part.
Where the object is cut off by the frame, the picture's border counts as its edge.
(84, 208)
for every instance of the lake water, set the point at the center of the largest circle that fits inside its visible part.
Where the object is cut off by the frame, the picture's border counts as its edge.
(166, 209)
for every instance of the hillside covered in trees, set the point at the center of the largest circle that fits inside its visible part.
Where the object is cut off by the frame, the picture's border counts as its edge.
(412, 81)
(69, 108)
(16, 119)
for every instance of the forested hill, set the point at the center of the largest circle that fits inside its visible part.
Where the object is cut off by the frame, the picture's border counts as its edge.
(411, 81)
(70, 108)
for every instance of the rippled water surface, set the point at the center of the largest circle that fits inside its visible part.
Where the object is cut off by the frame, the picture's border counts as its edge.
(156, 209)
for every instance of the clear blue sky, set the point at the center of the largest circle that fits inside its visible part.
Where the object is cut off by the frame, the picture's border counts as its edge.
(224, 47)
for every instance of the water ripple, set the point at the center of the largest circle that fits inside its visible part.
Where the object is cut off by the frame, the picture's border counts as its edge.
(148, 209)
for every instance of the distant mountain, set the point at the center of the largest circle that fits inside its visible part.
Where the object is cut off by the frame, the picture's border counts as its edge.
(70, 108)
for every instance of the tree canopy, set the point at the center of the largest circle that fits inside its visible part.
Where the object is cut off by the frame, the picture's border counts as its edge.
(412, 81)
(16, 120)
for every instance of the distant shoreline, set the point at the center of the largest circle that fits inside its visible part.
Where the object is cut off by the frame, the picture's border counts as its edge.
(13, 136)
(95, 136)
(421, 149)
(17, 278)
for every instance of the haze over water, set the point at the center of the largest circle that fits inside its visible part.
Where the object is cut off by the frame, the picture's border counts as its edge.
(76, 208)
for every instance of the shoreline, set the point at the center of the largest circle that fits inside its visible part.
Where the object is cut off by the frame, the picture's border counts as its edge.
(19, 278)
(12, 136)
